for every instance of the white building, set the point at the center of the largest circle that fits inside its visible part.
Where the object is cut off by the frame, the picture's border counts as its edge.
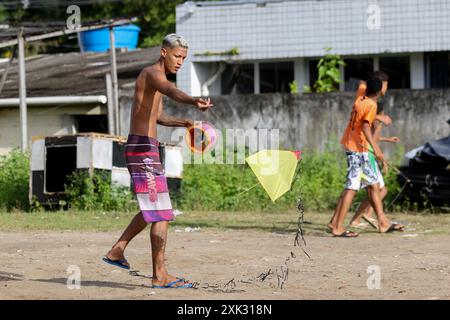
(280, 41)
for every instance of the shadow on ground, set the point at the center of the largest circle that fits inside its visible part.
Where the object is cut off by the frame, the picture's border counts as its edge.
(9, 276)
(103, 284)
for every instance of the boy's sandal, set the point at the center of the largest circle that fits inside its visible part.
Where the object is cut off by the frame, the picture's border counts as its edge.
(346, 234)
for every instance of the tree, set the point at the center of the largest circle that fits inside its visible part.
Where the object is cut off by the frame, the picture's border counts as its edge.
(156, 18)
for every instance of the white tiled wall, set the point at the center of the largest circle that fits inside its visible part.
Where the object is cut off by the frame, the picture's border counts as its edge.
(288, 29)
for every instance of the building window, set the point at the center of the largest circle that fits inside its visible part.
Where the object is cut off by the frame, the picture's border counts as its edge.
(313, 72)
(356, 70)
(60, 162)
(437, 66)
(276, 76)
(94, 123)
(238, 79)
(398, 69)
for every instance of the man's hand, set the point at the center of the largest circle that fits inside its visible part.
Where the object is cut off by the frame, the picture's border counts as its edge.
(394, 139)
(384, 167)
(189, 123)
(384, 118)
(378, 154)
(203, 104)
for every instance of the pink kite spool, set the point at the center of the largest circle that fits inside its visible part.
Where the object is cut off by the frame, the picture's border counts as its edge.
(201, 137)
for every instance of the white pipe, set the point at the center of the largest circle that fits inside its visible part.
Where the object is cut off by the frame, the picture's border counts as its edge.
(22, 100)
(256, 77)
(110, 94)
(54, 100)
(115, 81)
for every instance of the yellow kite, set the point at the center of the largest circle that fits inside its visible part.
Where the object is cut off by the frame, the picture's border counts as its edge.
(275, 170)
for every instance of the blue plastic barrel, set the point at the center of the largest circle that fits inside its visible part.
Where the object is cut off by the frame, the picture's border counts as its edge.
(98, 40)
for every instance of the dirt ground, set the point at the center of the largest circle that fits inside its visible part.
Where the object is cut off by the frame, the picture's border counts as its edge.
(227, 264)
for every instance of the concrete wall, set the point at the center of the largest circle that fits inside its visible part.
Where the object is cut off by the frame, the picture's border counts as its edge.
(42, 121)
(310, 120)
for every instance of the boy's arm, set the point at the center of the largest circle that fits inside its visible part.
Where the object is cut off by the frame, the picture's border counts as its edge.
(167, 120)
(160, 83)
(390, 139)
(384, 118)
(378, 125)
(368, 134)
(376, 132)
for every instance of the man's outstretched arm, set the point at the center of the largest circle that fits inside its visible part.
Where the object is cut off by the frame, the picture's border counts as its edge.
(167, 88)
(390, 139)
(167, 120)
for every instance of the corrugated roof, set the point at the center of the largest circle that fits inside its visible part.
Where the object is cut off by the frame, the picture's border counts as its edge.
(75, 73)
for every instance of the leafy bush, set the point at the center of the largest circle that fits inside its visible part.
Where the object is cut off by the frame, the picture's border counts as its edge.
(96, 193)
(329, 74)
(204, 187)
(14, 180)
(319, 185)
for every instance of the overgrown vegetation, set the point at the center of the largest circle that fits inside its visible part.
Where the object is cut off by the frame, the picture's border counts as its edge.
(204, 187)
(320, 182)
(232, 52)
(293, 87)
(329, 74)
(97, 193)
(14, 180)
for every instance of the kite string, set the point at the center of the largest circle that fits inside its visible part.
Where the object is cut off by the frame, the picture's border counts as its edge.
(300, 235)
(239, 194)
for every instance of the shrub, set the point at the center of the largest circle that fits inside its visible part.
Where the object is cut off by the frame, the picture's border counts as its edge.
(319, 184)
(96, 193)
(14, 180)
(204, 187)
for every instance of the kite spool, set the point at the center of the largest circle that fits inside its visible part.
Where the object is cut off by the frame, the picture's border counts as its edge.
(201, 137)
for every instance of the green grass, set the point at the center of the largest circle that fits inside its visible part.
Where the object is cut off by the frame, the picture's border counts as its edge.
(276, 221)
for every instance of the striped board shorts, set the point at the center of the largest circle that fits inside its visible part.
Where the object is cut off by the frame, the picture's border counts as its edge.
(148, 179)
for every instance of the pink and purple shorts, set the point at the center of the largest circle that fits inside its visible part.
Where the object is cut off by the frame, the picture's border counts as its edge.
(149, 181)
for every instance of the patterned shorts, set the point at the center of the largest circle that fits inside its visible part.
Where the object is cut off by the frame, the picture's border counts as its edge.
(374, 163)
(149, 181)
(360, 172)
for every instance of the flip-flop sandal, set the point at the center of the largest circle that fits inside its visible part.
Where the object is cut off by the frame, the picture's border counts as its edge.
(172, 285)
(117, 263)
(360, 225)
(371, 221)
(393, 228)
(346, 234)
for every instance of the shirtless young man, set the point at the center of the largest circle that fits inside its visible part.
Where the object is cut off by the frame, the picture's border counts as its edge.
(142, 157)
